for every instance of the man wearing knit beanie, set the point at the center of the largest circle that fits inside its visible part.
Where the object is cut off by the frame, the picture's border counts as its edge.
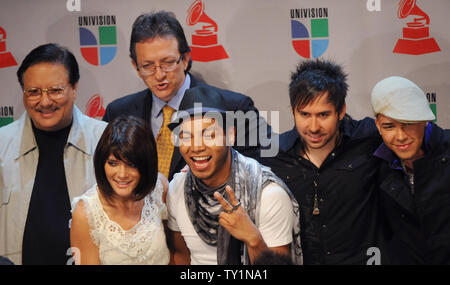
(414, 178)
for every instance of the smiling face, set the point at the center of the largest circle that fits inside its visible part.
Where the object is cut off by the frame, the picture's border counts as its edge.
(122, 177)
(206, 150)
(317, 123)
(158, 50)
(48, 114)
(405, 139)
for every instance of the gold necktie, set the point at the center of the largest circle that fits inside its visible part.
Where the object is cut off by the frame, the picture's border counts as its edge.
(164, 142)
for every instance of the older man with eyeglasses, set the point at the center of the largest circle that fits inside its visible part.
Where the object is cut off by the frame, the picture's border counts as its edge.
(161, 56)
(45, 160)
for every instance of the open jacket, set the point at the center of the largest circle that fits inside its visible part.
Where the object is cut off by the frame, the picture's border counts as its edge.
(419, 223)
(19, 156)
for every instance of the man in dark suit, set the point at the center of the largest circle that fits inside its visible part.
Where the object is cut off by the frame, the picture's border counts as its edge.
(161, 55)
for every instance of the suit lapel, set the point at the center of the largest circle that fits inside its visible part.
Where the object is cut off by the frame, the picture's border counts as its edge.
(194, 83)
(177, 163)
(147, 111)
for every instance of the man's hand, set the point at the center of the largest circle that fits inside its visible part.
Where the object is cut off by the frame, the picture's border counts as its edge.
(236, 221)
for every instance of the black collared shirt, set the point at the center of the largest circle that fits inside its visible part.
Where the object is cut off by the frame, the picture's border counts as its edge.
(348, 223)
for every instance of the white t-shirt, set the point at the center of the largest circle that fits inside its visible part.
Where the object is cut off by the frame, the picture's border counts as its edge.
(276, 220)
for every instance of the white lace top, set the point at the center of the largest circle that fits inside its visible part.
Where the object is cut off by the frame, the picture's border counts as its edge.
(145, 243)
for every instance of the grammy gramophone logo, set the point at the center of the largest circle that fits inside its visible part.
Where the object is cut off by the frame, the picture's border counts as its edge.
(416, 35)
(6, 57)
(205, 45)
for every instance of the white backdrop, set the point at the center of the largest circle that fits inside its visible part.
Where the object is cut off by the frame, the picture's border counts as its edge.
(257, 37)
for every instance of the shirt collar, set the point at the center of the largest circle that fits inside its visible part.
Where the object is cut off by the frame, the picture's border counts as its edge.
(28, 142)
(385, 153)
(76, 137)
(174, 102)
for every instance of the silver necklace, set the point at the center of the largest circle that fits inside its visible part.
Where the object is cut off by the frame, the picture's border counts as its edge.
(409, 174)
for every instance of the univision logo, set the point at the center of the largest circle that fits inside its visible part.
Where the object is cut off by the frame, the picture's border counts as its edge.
(6, 115)
(431, 96)
(310, 35)
(98, 38)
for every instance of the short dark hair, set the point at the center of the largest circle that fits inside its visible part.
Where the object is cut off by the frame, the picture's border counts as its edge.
(158, 24)
(131, 140)
(51, 53)
(314, 77)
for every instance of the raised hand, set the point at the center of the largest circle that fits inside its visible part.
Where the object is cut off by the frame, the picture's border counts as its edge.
(235, 219)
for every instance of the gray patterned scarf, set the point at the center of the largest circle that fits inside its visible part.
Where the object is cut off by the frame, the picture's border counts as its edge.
(248, 178)
(203, 208)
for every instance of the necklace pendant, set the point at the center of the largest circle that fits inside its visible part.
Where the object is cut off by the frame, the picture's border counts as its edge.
(316, 211)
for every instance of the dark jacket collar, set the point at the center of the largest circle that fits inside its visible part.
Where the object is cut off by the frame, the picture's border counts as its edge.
(436, 139)
(289, 139)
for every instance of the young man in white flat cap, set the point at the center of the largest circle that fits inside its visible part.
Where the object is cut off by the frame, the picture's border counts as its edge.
(415, 175)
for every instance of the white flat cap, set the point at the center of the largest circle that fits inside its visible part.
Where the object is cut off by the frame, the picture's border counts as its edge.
(401, 99)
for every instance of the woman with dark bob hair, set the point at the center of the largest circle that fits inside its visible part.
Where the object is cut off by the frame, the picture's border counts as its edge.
(119, 220)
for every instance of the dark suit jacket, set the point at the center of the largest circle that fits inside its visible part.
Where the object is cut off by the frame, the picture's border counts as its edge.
(140, 104)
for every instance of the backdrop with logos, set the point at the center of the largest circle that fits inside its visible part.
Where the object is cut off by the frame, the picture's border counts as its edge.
(249, 46)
